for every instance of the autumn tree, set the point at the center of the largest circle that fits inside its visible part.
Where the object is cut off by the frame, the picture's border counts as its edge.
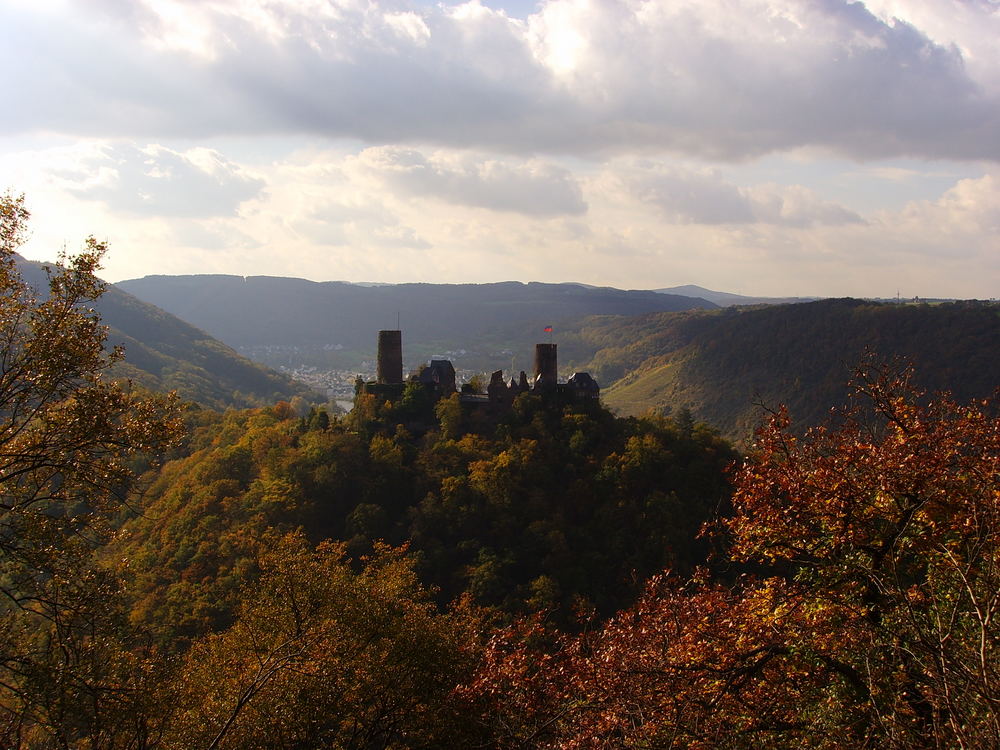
(67, 436)
(323, 656)
(890, 527)
(871, 619)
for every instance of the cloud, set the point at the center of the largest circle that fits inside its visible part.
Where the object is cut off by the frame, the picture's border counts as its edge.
(689, 196)
(686, 195)
(531, 188)
(365, 222)
(965, 219)
(210, 235)
(710, 79)
(157, 181)
(971, 26)
(796, 206)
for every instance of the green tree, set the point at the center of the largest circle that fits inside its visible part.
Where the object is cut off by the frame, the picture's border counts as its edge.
(449, 414)
(68, 439)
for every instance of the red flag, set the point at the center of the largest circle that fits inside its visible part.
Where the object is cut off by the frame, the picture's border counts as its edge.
(547, 329)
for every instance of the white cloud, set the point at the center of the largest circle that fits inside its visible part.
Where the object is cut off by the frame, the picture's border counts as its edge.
(965, 220)
(157, 181)
(796, 206)
(210, 235)
(394, 213)
(533, 188)
(687, 195)
(707, 78)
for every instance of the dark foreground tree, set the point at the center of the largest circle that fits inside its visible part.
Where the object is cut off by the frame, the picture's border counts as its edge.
(322, 656)
(874, 623)
(67, 437)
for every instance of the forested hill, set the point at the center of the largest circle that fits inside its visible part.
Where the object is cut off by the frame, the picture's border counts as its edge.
(263, 310)
(719, 364)
(549, 508)
(164, 353)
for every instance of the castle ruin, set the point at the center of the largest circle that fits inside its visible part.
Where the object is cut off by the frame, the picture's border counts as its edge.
(438, 377)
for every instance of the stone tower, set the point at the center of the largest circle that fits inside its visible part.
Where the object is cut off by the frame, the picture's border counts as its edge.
(390, 357)
(545, 365)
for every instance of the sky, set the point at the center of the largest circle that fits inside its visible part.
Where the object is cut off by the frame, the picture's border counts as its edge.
(764, 147)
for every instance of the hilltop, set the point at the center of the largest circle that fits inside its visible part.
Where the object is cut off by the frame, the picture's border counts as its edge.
(725, 299)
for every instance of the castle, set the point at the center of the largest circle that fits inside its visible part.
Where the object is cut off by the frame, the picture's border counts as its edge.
(438, 378)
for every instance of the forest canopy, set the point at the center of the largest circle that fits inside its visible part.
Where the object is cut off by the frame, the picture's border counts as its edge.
(868, 620)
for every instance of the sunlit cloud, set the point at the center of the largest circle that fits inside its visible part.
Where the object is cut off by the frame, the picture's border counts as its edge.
(763, 146)
(158, 181)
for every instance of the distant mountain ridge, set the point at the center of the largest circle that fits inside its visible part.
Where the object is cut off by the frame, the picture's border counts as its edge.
(646, 349)
(265, 311)
(726, 299)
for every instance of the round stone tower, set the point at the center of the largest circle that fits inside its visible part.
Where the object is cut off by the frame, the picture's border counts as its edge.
(390, 357)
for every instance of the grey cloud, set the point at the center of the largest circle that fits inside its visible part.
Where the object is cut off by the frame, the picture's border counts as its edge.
(653, 75)
(532, 189)
(688, 196)
(159, 182)
(795, 206)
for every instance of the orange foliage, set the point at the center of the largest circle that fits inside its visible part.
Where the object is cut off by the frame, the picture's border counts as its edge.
(871, 620)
